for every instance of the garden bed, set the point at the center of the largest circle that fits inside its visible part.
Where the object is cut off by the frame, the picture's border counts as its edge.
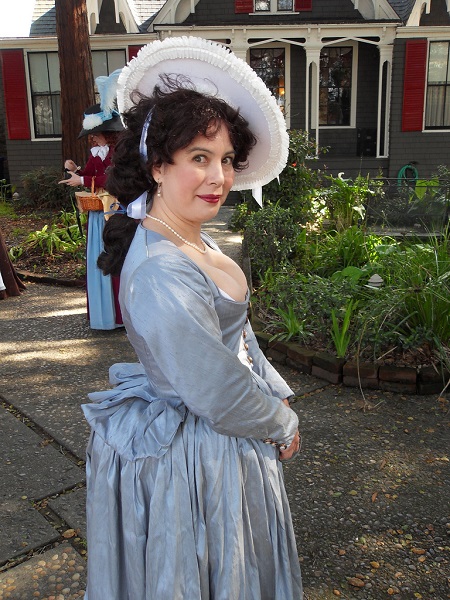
(423, 379)
(37, 262)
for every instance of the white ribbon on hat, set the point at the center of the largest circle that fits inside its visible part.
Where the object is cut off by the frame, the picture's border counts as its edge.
(138, 208)
(257, 195)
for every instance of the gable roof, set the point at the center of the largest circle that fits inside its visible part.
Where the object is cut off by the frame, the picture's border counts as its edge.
(403, 8)
(44, 19)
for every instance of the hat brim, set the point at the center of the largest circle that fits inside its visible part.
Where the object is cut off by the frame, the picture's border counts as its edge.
(114, 124)
(214, 70)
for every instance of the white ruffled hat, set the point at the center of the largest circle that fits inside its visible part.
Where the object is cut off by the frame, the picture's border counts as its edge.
(214, 70)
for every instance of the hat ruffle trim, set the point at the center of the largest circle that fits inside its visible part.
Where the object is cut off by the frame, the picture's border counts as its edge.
(218, 56)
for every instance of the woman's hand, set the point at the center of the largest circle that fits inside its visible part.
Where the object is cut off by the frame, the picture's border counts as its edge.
(292, 449)
(74, 180)
(295, 444)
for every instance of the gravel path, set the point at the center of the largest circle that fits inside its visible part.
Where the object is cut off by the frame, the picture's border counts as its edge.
(370, 493)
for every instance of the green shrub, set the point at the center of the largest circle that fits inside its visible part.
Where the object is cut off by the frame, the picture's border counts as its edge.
(271, 235)
(295, 189)
(42, 191)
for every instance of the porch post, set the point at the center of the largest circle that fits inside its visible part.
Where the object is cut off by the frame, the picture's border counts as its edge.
(239, 44)
(312, 112)
(386, 52)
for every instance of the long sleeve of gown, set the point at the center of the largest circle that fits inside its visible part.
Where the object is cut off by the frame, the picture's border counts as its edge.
(175, 329)
(278, 386)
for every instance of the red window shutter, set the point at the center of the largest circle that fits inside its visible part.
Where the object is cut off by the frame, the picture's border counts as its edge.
(132, 51)
(414, 80)
(16, 105)
(303, 5)
(243, 6)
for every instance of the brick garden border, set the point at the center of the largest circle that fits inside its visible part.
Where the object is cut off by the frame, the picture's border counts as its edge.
(406, 380)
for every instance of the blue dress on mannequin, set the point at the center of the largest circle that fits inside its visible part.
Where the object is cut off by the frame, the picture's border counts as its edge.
(102, 308)
(185, 500)
(102, 314)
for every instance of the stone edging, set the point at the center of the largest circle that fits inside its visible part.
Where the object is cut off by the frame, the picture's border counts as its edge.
(37, 278)
(406, 380)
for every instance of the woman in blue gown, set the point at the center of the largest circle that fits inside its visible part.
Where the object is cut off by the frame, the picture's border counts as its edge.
(185, 490)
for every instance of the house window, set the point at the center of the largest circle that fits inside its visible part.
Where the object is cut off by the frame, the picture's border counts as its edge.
(274, 5)
(104, 62)
(437, 114)
(335, 86)
(45, 93)
(46, 89)
(269, 64)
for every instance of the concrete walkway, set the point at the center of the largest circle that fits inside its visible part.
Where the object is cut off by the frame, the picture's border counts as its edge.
(51, 360)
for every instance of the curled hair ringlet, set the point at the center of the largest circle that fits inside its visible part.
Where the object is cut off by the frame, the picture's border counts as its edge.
(179, 114)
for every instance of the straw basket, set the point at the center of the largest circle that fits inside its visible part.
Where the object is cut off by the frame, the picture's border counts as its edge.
(88, 201)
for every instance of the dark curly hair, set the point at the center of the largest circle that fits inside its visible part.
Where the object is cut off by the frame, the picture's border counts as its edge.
(179, 115)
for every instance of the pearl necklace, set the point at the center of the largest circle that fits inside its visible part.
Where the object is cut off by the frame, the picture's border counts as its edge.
(191, 244)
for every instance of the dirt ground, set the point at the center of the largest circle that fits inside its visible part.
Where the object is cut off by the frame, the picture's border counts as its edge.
(16, 230)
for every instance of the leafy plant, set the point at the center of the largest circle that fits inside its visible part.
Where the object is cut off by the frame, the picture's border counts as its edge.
(345, 200)
(291, 326)
(6, 190)
(352, 246)
(54, 238)
(340, 334)
(430, 201)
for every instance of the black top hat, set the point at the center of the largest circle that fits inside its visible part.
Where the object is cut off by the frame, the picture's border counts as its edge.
(103, 116)
(94, 121)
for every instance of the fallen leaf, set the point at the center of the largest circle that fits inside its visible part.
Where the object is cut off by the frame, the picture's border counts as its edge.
(68, 533)
(374, 496)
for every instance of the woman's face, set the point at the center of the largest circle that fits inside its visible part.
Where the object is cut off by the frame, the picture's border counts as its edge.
(98, 139)
(197, 184)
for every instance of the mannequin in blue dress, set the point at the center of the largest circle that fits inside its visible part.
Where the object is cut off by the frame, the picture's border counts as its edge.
(102, 124)
(185, 490)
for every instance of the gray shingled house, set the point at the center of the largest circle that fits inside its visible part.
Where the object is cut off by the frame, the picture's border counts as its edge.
(367, 78)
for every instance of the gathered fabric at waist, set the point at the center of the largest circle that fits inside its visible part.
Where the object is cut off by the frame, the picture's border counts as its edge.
(131, 418)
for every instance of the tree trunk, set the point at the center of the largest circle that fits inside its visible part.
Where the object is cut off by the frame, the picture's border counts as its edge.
(77, 82)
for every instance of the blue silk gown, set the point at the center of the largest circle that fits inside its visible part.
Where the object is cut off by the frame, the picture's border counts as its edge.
(185, 500)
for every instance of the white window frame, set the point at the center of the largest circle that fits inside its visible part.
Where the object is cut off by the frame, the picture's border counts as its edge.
(287, 73)
(31, 115)
(274, 9)
(354, 95)
(425, 128)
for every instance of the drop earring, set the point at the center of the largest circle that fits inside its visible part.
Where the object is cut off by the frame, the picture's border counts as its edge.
(158, 192)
